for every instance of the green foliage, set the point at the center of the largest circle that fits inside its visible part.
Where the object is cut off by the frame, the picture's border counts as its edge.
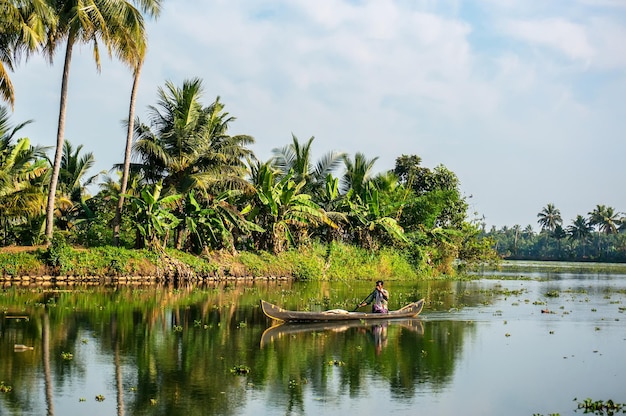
(4, 388)
(600, 407)
(59, 253)
(306, 264)
(475, 247)
(262, 264)
(394, 264)
(19, 264)
(153, 216)
(353, 262)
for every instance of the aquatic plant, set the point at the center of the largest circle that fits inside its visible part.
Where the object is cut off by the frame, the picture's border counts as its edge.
(600, 407)
(240, 370)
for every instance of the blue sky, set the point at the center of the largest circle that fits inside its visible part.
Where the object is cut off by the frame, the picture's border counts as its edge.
(522, 99)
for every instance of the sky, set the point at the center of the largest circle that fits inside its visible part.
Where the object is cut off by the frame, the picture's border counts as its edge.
(524, 100)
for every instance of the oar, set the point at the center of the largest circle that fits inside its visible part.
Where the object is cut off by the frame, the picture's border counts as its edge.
(359, 304)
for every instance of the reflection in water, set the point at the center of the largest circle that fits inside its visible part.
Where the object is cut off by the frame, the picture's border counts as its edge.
(173, 350)
(45, 347)
(379, 335)
(376, 332)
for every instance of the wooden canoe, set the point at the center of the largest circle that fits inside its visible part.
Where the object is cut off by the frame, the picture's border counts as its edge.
(280, 314)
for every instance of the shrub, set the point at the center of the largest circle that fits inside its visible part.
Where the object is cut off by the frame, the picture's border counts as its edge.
(19, 264)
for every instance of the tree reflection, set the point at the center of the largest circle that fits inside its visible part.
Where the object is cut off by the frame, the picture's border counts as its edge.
(45, 348)
(180, 345)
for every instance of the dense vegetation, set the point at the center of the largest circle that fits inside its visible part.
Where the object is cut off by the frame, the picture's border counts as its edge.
(599, 236)
(194, 187)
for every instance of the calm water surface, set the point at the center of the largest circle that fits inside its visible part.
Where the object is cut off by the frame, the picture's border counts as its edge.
(480, 347)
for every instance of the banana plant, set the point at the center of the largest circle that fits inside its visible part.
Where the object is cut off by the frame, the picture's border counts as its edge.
(153, 216)
(369, 225)
(283, 211)
(212, 226)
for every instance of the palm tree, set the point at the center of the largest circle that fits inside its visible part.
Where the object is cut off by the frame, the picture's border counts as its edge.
(73, 183)
(22, 32)
(580, 231)
(549, 218)
(187, 147)
(517, 229)
(358, 172)
(87, 21)
(296, 158)
(605, 218)
(528, 231)
(21, 169)
(134, 55)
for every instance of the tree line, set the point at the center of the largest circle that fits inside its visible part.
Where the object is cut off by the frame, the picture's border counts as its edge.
(186, 183)
(598, 236)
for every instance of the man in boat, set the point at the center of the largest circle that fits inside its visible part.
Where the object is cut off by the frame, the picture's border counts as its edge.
(379, 297)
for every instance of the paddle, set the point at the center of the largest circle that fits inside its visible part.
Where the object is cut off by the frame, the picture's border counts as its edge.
(358, 305)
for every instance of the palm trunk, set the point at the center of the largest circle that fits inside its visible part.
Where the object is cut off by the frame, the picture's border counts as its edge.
(56, 166)
(126, 170)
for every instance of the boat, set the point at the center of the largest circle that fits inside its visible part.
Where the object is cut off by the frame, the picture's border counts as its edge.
(279, 314)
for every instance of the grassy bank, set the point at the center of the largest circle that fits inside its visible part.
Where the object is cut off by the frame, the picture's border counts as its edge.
(315, 262)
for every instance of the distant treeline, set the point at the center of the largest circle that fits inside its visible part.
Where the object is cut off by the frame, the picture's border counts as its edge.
(599, 236)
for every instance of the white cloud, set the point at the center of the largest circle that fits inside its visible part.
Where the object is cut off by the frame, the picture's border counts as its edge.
(571, 39)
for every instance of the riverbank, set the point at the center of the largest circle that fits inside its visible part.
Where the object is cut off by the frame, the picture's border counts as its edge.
(63, 264)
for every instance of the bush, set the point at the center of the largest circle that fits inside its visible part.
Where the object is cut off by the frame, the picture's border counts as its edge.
(19, 264)
(59, 254)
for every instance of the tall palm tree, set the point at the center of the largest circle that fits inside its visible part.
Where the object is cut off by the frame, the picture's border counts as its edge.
(82, 21)
(134, 55)
(297, 158)
(22, 31)
(605, 218)
(549, 218)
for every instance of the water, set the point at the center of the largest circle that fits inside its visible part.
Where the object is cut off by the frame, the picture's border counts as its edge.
(480, 347)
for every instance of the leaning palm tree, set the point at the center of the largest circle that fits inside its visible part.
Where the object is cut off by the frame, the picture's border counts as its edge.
(549, 218)
(82, 21)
